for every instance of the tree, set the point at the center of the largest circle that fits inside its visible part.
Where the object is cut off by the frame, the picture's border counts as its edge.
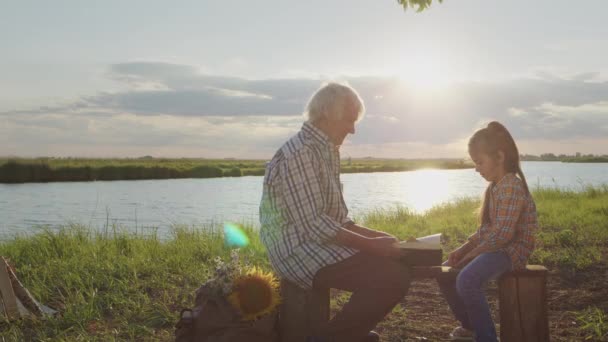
(421, 4)
(548, 157)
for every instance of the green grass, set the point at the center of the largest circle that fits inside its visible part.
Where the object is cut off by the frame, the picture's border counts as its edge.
(21, 170)
(594, 324)
(115, 285)
(573, 225)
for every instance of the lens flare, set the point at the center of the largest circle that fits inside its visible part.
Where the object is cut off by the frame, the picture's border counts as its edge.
(234, 236)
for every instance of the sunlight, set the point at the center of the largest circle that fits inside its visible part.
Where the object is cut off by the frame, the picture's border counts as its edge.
(431, 187)
(424, 72)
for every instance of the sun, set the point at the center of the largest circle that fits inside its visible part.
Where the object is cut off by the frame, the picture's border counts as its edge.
(424, 72)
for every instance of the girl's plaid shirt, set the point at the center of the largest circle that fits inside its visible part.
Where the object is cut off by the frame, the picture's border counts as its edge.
(302, 207)
(513, 221)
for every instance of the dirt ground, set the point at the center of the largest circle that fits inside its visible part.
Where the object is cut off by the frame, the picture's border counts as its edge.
(424, 315)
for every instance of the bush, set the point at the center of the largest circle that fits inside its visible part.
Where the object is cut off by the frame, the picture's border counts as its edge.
(206, 172)
(233, 172)
(16, 172)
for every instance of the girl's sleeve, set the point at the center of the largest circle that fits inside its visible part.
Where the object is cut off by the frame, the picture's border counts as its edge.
(474, 238)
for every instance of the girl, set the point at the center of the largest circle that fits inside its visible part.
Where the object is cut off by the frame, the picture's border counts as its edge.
(504, 240)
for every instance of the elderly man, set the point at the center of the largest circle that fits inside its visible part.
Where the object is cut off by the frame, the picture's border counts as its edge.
(306, 229)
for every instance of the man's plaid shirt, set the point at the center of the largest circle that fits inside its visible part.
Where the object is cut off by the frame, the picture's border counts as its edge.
(302, 207)
(513, 221)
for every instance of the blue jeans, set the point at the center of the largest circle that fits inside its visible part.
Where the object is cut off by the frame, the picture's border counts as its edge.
(466, 297)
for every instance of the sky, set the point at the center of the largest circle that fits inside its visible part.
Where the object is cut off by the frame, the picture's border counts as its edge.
(219, 79)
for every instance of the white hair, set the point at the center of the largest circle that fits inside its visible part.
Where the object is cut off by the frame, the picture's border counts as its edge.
(331, 101)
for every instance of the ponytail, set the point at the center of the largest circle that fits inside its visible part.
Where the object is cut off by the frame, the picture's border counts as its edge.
(491, 140)
(509, 148)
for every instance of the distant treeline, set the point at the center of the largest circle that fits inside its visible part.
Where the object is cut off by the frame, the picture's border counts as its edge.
(576, 158)
(68, 169)
(24, 170)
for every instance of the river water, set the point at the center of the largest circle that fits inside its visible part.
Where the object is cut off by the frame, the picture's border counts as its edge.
(159, 204)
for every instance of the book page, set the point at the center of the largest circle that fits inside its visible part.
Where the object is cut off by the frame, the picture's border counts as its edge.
(425, 242)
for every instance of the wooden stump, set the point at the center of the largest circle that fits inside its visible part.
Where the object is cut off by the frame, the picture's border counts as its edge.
(302, 312)
(522, 297)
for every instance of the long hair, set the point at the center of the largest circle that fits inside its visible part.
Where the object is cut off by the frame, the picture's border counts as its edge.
(491, 140)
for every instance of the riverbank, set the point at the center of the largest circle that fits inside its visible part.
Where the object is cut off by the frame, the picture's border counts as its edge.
(113, 285)
(589, 158)
(602, 159)
(24, 170)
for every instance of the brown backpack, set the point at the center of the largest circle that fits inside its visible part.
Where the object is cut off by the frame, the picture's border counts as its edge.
(213, 319)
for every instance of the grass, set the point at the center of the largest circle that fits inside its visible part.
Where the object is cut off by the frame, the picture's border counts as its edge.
(22, 170)
(116, 285)
(113, 285)
(594, 323)
(573, 233)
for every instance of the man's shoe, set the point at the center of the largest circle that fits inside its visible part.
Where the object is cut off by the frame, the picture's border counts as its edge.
(372, 336)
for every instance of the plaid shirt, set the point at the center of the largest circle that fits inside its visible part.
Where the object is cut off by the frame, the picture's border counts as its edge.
(302, 207)
(512, 221)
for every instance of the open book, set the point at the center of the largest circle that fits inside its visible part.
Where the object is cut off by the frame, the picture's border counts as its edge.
(430, 242)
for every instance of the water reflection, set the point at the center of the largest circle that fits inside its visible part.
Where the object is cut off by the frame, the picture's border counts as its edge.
(428, 187)
(417, 190)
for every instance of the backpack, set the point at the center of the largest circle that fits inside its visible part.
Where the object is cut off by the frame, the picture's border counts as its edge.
(213, 319)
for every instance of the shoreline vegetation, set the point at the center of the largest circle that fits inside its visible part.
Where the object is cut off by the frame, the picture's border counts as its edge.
(112, 284)
(50, 169)
(576, 158)
(26, 170)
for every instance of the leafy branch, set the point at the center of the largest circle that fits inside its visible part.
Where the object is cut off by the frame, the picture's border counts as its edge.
(420, 4)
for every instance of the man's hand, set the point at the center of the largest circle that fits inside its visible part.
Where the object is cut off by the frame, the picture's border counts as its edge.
(365, 231)
(384, 246)
(385, 234)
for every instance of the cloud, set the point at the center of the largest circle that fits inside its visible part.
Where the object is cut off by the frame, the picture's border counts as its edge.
(163, 88)
(176, 105)
(552, 121)
(122, 135)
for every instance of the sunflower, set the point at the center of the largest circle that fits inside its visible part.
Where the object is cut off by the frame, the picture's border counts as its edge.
(255, 293)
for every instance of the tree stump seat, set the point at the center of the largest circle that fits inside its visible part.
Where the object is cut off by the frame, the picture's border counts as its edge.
(522, 301)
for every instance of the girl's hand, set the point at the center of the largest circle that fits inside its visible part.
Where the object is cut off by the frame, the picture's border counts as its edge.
(452, 260)
(468, 257)
(454, 257)
(462, 263)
